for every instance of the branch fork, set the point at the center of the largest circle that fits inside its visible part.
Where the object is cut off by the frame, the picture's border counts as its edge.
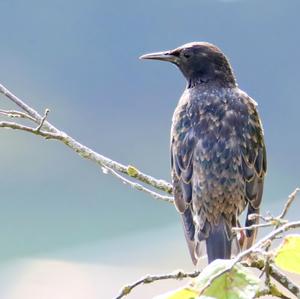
(39, 127)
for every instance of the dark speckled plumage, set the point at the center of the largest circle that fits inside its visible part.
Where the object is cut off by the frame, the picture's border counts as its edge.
(218, 155)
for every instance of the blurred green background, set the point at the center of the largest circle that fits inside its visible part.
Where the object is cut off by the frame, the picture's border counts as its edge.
(80, 59)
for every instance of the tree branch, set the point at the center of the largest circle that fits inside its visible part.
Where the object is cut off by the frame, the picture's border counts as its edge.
(15, 126)
(139, 186)
(285, 281)
(287, 205)
(179, 274)
(38, 128)
(16, 114)
(271, 220)
(271, 290)
(251, 227)
(51, 132)
(276, 274)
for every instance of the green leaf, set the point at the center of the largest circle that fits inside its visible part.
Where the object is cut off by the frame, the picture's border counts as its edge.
(184, 293)
(239, 283)
(287, 255)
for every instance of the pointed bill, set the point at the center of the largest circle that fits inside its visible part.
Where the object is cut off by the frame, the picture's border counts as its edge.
(163, 56)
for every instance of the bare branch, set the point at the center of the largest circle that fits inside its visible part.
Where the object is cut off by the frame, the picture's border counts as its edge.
(38, 128)
(287, 205)
(16, 114)
(270, 220)
(259, 216)
(30, 111)
(15, 126)
(284, 281)
(140, 187)
(179, 274)
(276, 274)
(271, 290)
(237, 229)
(52, 132)
(101, 160)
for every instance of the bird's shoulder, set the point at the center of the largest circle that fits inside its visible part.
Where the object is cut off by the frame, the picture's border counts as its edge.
(198, 108)
(213, 120)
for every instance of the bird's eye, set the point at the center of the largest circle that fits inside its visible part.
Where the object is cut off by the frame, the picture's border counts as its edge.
(187, 55)
(175, 53)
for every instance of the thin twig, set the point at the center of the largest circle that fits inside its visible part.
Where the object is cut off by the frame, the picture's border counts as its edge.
(101, 160)
(79, 148)
(281, 216)
(251, 227)
(271, 290)
(270, 220)
(15, 126)
(139, 187)
(255, 216)
(276, 274)
(16, 114)
(287, 205)
(33, 113)
(179, 274)
(38, 128)
(284, 281)
(267, 270)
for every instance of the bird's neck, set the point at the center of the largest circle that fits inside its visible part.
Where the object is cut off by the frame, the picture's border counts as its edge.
(198, 81)
(222, 78)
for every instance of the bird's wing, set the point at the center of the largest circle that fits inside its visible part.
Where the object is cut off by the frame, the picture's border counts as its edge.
(186, 144)
(182, 147)
(254, 164)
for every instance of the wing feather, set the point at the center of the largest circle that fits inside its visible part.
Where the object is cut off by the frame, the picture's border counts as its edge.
(205, 159)
(254, 167)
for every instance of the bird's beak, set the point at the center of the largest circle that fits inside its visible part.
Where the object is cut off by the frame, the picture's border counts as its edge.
(164, 56)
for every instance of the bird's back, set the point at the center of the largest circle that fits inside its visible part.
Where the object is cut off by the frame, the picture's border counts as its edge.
(218, 164)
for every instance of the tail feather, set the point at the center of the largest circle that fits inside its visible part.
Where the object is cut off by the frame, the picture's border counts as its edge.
(189, 232)
(218, 243)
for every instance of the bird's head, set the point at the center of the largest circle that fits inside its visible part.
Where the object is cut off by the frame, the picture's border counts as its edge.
(200, 62)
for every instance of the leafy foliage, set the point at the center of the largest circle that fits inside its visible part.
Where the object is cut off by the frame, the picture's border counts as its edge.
(184, 293)
(238, 283)
(287, 255)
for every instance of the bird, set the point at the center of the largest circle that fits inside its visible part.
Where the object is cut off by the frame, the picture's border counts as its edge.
(218, 153)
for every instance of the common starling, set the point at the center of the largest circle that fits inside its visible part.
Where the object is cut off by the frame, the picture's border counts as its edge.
(218, 154)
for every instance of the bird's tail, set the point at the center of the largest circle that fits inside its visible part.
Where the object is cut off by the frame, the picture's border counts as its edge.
(219, 241)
